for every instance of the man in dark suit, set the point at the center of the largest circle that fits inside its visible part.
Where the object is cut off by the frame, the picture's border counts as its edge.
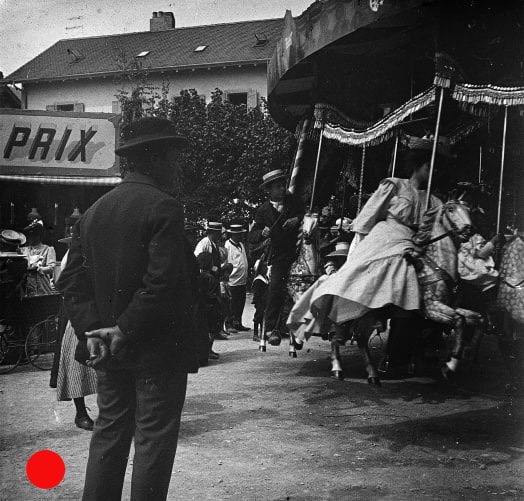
(278, 219)
(128, 289)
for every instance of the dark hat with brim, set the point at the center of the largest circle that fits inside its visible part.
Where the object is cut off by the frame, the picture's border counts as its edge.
(145, 132)
(12, 237)
(272, 176)
(35, 225)
(65, 240)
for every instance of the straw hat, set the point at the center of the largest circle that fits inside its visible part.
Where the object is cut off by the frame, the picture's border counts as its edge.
(272, 176)
(341, 250)
(12, 237)
(214, 226)
(236, 228)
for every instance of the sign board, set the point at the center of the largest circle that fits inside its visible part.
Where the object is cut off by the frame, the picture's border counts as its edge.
(53, 143)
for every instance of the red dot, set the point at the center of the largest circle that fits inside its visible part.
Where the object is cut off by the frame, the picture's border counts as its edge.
(45, 469)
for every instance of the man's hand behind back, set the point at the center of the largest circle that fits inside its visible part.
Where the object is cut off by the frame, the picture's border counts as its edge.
(103, 343)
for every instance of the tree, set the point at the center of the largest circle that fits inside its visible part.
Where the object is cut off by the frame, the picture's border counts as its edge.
(231, 147)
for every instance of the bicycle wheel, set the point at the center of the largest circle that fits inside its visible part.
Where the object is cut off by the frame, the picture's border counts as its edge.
(40, 343)
(10, 353)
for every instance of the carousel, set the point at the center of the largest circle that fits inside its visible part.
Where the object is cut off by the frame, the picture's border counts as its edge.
(362, 82)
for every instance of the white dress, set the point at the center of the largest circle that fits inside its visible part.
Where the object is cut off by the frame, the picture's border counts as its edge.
(376, 274)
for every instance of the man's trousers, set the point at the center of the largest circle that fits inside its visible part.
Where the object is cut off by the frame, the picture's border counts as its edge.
(238, 301)
(276, 294)
(148, 408)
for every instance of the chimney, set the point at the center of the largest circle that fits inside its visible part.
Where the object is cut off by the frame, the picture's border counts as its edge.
(162, 21)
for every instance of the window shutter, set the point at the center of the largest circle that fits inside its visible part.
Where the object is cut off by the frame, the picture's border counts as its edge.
(79, 107)
(115, 106)
(252, 98)
(50, 107)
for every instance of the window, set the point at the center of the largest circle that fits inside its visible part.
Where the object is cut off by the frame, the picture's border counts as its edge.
(75, 55)
(66, 107)
(237, 98)
(200, 48)
(262, 40)
(144, 53)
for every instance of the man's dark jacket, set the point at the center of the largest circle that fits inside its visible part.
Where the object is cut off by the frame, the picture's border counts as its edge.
(129, 265)
(283, 241)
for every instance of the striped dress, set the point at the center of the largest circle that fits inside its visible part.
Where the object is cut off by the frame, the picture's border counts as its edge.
(74, 379)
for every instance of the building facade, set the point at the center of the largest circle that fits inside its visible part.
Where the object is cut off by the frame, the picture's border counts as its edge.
(84, 74)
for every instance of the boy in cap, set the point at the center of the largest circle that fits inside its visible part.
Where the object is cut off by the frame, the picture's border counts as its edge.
(278, 219)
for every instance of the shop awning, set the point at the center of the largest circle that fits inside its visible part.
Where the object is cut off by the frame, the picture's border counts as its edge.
(70, 180)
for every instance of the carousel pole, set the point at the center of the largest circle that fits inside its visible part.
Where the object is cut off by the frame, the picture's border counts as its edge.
(395, 150)
(361, 182)
(316, 169)
(502, 166)
(480, 164)
(434, 150)
(344, 180)
(298, 156)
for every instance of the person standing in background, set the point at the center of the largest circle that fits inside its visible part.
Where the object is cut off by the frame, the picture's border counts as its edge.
(237, 257)
(41, 259)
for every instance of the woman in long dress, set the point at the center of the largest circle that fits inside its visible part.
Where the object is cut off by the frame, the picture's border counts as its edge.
(41, 259)
(74, 380)
(376, 274)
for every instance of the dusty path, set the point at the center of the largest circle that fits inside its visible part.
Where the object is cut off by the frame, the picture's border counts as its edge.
(267, 427)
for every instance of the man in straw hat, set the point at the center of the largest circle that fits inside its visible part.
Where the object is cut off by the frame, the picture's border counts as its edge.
(278, 219)
(211, 243)
(129, 293)
(237, 257)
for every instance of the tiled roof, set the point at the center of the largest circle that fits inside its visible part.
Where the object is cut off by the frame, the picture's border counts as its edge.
(230, 43)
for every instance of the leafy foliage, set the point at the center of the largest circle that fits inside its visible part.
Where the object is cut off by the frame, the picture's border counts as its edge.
(231, 147)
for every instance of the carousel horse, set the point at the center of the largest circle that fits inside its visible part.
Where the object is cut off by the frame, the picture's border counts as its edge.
(306, 268)
(509, 317)
(438, 238)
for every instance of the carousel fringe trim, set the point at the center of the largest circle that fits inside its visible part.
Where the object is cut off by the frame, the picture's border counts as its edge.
(383, 129)
(490, 94)
(324, 112)
(458, 134)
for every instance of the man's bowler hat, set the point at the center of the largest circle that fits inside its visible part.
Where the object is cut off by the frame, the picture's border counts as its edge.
(140, 134)
(272, 176)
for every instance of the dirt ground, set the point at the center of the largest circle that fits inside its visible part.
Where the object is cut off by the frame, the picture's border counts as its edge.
(264, 426)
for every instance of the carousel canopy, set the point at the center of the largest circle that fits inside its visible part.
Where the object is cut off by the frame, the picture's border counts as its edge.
(368, 58)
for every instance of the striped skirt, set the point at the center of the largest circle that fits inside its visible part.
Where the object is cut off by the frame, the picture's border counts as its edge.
(74, 379)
